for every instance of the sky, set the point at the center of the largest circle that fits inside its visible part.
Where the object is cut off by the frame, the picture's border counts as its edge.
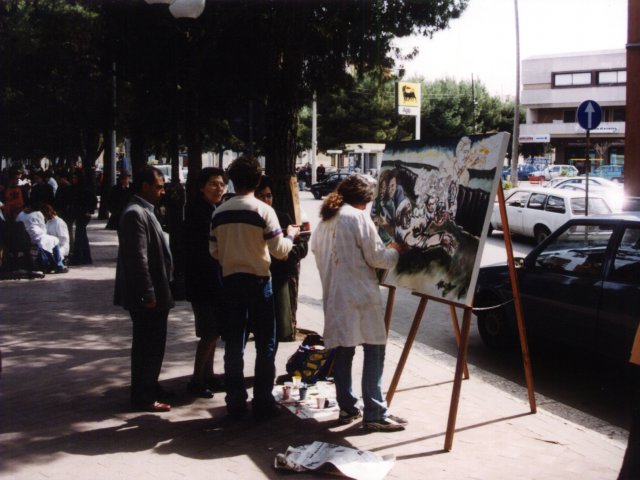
(482, 41)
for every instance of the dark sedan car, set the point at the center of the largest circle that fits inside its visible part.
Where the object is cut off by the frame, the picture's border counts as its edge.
(580, 286)
(327, 185)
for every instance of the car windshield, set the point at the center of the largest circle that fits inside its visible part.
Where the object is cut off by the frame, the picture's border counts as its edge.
(596, 206)
(579, 250)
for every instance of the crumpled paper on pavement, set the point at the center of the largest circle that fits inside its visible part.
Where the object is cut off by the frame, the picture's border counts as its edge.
(337, 460)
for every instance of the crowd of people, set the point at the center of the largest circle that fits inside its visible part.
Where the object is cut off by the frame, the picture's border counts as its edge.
(242, 268)
(242, 263)
(49, 204)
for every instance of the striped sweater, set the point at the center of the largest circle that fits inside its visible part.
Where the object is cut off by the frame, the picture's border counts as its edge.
(244, 231)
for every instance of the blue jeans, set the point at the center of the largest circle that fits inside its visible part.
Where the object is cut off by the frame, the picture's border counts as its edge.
(375, 406)
(52, 260)
(248, 302)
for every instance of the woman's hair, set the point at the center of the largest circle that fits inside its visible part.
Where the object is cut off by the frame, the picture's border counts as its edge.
(354, 190)
(48, 211)
(264, 183)
(207, 173)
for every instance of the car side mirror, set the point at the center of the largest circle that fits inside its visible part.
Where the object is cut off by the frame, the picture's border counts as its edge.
(518, 262)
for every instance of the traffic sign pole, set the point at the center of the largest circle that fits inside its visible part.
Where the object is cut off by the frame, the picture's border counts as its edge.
(588, 115)
(587, 169)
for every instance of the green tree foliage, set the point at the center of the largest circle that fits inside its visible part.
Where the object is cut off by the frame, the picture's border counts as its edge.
(453, 108)
(365, 112)
(51, 84)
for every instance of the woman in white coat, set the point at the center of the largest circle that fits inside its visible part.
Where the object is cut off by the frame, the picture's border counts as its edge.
(57, 227)
(348, 249)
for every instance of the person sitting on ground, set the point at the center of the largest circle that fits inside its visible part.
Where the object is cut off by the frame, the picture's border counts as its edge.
(283, 270)
(244, 231)
(49, 256)
(348, 250)
(203, 279)
(56, 227)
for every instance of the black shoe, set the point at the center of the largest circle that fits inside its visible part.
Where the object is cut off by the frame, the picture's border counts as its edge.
(216, 383)
(199, 390)
(61, 270)
(267, 413)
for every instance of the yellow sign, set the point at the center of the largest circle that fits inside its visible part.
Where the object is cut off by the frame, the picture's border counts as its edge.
(408, 98)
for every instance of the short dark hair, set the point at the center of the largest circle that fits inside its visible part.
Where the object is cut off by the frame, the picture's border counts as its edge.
(147, 175)
(245, 172)
(264, 183)
(207, 173)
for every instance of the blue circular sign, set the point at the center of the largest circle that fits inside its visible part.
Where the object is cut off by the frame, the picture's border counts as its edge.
(589, 114)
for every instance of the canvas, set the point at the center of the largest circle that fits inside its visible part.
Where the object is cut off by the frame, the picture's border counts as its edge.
(435, 202)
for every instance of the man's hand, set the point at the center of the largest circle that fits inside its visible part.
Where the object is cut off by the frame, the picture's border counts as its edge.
(293, 231)
(150, 304)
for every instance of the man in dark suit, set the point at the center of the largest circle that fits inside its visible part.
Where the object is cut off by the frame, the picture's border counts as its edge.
(142, 286)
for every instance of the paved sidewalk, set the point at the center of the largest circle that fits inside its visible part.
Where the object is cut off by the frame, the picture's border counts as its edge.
(64, 402)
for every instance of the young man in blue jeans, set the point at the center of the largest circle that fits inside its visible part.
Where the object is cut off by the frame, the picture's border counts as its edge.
(244, 233)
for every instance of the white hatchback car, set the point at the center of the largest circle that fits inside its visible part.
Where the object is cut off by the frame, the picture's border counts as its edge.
(536, 212)
(553, 171)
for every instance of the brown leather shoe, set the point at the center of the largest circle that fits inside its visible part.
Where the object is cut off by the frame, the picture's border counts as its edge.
(157, 407)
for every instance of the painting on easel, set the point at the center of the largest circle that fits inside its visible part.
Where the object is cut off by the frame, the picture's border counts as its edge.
(435, 201)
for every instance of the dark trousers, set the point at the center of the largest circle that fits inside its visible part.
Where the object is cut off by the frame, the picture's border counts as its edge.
(248, 303)
(81, 251)
(147, 353)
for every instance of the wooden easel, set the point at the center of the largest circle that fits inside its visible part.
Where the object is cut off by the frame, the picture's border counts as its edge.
(462, 335)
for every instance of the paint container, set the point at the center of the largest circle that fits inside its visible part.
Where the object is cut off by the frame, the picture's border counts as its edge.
(303, 393)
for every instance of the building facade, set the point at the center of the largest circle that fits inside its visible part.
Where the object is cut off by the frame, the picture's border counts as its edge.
(554, 86)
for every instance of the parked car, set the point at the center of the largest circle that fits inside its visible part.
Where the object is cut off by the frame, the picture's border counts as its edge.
(327, 185)
(580, 286)
(525, 170)
(537, 211)
(553, 171)
(615, 173)
(593, 181)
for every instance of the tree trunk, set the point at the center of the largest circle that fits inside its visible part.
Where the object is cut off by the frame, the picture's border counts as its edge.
(282, 109)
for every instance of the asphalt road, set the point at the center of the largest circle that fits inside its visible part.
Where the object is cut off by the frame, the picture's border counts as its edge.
(576, 385)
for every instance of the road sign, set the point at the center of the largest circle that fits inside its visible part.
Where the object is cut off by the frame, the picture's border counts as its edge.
(589, 114)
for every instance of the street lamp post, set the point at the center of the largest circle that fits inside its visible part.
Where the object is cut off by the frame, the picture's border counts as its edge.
(175, 198)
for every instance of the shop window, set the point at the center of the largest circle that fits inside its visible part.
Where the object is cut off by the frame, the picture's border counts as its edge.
(618, 115)
(569, 116)
(612, 77)
(571, 79)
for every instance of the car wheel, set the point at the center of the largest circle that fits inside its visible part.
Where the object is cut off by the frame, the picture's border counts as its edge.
(495, 329)
(540, 233)
(316, 195)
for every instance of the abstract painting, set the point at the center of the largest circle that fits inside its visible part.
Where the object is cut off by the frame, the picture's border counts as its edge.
(435, 202)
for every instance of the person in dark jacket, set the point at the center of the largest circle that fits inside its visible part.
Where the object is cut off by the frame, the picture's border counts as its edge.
(143, 275)
(83, 205)
(203, 279)
(119, 196)
(41, 192)
(283, 272)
